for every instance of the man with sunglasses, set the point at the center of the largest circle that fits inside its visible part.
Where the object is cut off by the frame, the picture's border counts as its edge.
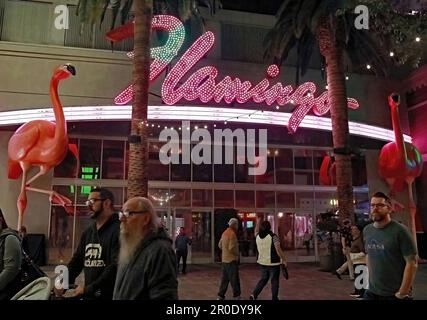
(391, 254)
(147, 262)
(98, 250)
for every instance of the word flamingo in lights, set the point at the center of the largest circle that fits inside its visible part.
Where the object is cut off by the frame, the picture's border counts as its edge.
(41, 143)
(400, 162)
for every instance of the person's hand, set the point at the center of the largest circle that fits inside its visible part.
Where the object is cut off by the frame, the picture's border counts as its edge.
(401, 296)
(58, 292)
(79, 291)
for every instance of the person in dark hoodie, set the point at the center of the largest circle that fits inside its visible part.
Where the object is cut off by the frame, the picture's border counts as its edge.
(147, 262)
(10, 260)
(270, 257)
(98, 250)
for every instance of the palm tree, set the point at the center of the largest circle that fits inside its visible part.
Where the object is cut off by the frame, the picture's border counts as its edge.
(329, 24)
(93, 12)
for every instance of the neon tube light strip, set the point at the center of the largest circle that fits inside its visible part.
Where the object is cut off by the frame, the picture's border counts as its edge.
(193, 113)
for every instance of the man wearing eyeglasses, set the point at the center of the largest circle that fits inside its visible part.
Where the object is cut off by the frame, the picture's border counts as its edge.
(391, 254)
(147, 262)
(98, 250)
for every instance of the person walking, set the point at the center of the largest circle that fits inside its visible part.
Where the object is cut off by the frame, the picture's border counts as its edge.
(230, 260)
(270, 257)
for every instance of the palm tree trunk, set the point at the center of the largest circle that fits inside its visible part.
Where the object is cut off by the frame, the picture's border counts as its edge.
(339, 116)
(138, 140)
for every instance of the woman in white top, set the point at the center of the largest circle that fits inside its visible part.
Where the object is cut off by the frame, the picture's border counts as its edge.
(270, 257)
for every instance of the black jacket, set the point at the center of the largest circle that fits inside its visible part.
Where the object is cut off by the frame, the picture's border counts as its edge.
(151, 272)
(97, 255)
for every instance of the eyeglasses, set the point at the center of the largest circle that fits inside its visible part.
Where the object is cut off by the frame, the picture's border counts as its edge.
(378, 205)
(127, 214)
(93, 201)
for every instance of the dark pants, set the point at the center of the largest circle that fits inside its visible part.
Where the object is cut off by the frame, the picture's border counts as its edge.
(183, 254)
(268, 272)
(368, 295)
(230, 274)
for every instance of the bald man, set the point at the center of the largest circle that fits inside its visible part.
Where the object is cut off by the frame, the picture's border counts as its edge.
(147, 262)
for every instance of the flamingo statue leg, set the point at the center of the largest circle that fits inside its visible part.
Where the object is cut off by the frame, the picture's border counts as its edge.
(21, 203)
(54, 197)
(43, 170)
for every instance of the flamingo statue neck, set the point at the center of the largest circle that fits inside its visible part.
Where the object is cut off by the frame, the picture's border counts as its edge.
(398, 134)
(61, 126)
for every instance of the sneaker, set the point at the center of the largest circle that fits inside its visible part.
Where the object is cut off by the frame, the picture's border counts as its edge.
(355, 295)
(338, 275)
(220, 298)
(252, 297)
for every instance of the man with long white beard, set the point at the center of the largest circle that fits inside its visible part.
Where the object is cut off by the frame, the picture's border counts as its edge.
(147, 262)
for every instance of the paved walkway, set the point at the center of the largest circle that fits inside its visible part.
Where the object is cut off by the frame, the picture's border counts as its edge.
(306, 282)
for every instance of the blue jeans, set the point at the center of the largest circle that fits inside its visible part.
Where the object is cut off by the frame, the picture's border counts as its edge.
(268, 272)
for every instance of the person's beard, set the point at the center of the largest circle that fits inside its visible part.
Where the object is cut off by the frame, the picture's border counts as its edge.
(129, 241)
(94, 214)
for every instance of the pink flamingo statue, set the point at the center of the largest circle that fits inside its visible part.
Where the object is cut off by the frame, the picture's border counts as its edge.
(41, 143)
(327, 172)
(400, 162)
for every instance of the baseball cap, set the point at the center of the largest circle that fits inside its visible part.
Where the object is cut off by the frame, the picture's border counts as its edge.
(233, 221)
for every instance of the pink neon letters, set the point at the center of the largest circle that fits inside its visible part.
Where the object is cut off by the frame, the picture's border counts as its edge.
(201, 84)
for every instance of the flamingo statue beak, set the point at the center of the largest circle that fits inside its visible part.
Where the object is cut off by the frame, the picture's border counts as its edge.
(71, 69)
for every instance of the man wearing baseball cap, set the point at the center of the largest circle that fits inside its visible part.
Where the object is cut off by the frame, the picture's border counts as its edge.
(230, 257)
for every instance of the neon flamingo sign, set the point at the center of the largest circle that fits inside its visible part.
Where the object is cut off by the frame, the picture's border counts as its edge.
(202, 85)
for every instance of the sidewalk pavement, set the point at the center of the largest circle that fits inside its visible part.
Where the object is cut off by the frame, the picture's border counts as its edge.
(306, 282)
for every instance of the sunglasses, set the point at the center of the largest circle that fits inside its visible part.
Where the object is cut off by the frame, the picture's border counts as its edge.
(127, 214)
(93, 201)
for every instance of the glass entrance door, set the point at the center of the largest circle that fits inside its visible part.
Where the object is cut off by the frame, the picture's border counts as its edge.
(198, 227)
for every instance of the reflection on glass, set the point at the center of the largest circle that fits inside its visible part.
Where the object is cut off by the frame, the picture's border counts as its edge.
(179, 198)
(160, 197)
(90, 159)
(246, 234)
(202, 198)
(285, 199)
(201, 234)
(156, 170)
(284, 166)
(61, 235)
(112, 160)
(265, 199)
(180, 172)
(268, 176)
(224, 198)
(245, 199)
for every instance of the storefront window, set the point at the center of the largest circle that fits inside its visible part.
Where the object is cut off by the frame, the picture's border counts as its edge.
(284, 166)
(318, 156)
(180, 197)
(203, 172)
(303, 167)
(113, 159)
(202, 198)
(156, 170)
(159, 197)
(268, 176)
(245, 199)
(90, 159)
(285, 199)
(265, 199)
(224, 198)
(68, 167)
(61, 235)
(180, 172)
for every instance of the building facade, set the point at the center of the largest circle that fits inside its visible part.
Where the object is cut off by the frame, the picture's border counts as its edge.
(200, 197)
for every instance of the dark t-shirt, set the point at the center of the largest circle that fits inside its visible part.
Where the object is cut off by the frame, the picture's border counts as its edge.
(386, 249)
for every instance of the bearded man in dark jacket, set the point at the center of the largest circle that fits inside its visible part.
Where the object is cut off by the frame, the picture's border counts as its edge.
(98, 249)
(147, 262)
